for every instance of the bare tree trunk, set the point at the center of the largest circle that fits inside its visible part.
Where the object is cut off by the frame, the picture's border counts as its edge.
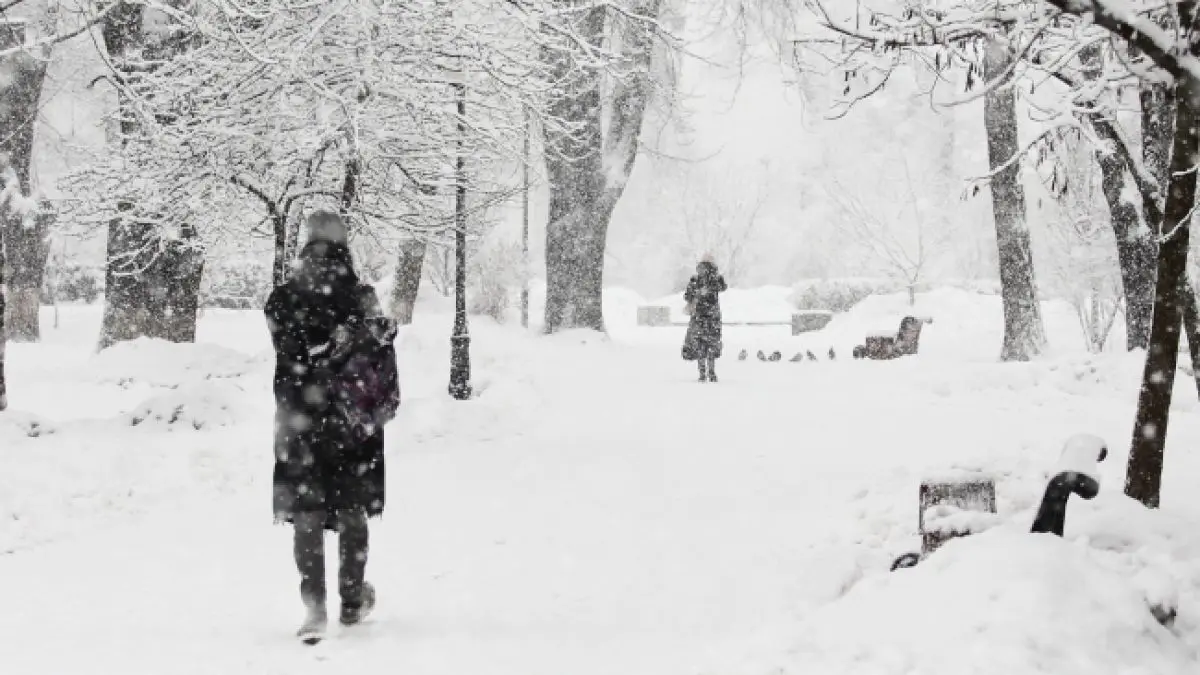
(1024, 335)
(1143, 478)
(1158, 130)
(27, 239)
(1191, 328)
(1136, 249)
(280, 259)
(407, 280)
(588, 168)
(579, 205)
(293, 241)
(3, 331)
(182, 273)
(152, 283)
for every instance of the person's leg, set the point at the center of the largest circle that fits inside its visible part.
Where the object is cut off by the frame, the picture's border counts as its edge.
(358, 596)
(702, 364)
(309, 551)
(712, 370)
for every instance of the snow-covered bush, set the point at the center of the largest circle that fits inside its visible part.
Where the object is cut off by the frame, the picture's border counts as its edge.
(838, 295)
(71, 282)
(235, 283)
(495, 278)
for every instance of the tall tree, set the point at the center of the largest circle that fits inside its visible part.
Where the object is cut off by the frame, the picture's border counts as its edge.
(1024, 336)
(26, 231)
(1143, 477)
(407, 281)
(155, 258)
(589, 164)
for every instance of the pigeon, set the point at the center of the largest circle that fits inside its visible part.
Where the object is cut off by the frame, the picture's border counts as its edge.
(832, 355)
(860, 352)
(810, 355)
(742, 355)
(761, 355)
(775, 356)
(797, 358)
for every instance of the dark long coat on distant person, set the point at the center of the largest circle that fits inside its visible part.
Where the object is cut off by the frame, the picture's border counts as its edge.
(703, 338)
(322, 461)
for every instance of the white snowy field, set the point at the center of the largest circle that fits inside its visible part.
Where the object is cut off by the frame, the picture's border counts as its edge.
(595, 510)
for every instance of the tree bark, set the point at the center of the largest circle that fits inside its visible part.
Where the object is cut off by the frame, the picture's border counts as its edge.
(152, 282)
(1136, 248)
(579, 206)
(280, 261)
(588, 168)
(3, 331)
(27, 238)
(407, 280)
(1024, 336)
(1143, 478)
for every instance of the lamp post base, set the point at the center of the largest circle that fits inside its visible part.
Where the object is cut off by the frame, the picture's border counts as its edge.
(460, 367)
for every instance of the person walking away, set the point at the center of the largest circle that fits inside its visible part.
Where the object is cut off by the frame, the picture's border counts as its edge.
(336, 385)
(702, 343)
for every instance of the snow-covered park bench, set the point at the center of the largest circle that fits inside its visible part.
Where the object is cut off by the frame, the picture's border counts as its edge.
(802, 321)
(884, 345)
(960, 503)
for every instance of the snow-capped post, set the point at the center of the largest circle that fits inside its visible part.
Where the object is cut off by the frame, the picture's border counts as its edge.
(460, 340)
(1077, 473)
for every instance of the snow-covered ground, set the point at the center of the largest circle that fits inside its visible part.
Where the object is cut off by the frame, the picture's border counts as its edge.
(595, 510)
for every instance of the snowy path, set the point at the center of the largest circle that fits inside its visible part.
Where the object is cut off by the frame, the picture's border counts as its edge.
(634, 522)
(613, 537)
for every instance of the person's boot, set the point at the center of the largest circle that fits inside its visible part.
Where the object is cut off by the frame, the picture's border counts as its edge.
(353, 613)
(358, 596)
(316, 620)
(309, 551)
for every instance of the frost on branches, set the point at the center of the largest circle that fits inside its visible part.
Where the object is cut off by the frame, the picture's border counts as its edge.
(236, 118)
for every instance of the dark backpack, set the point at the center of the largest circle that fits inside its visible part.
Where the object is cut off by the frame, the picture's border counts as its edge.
(366, 384)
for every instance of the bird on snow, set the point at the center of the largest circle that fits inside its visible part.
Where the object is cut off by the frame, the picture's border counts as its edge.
(742, 355)
(832, 355)
(810, 355)
(761, 355)
(797, 358)
(775, 356)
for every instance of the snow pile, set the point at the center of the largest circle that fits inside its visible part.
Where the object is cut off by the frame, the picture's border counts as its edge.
(15, 424)
(160, 363)
(1000, 602)
(198, 407)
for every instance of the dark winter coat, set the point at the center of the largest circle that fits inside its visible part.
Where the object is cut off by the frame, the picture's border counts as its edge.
(703, 339)
(323, 461)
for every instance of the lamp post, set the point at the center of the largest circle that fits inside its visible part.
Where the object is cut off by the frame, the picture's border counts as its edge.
(460, 340)
(525, 225)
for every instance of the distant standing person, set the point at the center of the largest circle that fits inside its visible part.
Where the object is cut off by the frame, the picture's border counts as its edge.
(335, 386)
(702, 343)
